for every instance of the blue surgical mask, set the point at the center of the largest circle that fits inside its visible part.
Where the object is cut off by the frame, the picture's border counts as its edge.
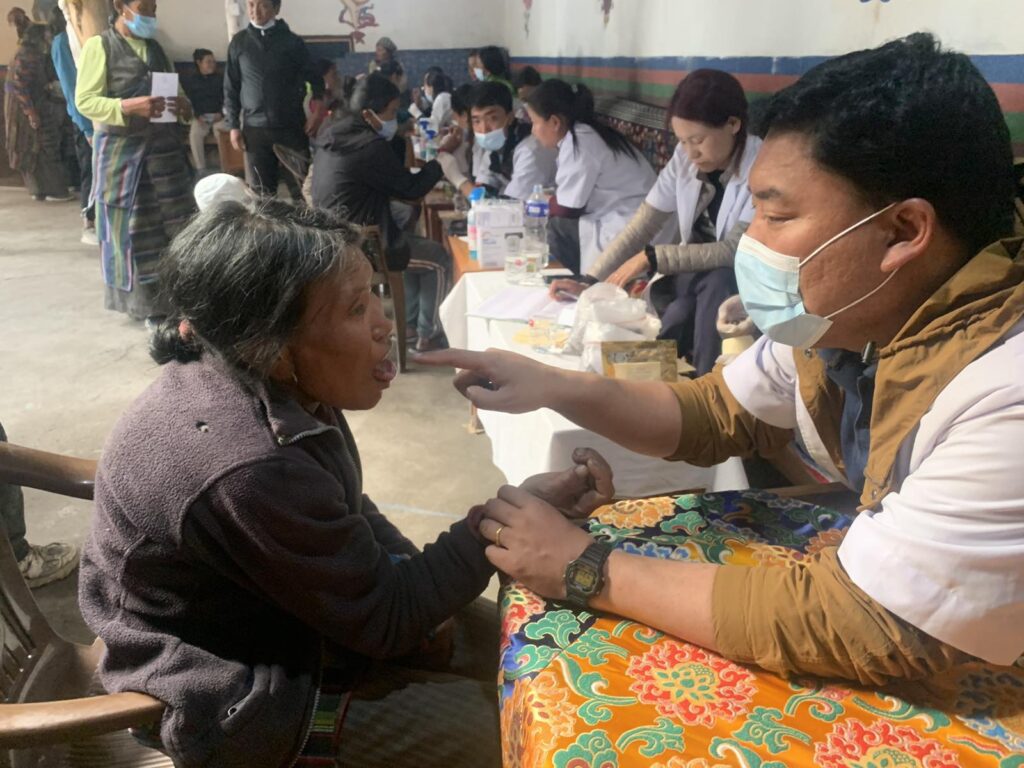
(141, 26)
(479, 74)
(769, 284)
(492, 141)
(388, 128)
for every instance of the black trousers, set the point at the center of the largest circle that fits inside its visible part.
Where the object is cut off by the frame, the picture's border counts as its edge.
(688, 305)
(84, 151)
(262, 168)
(564, 242)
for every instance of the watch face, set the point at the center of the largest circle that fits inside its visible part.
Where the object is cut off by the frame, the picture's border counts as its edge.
(582, 577)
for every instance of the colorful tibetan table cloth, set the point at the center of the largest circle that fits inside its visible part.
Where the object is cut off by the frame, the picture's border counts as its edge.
(579, 691)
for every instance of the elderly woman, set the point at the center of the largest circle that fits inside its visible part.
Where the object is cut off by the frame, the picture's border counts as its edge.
(34, 118)
(142, 182)
(236, 569)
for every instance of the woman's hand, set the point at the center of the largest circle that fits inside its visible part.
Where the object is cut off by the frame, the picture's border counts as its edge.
(496, 380)
(636, 267)
(578, 491)
(531, 541)
(566, 285)
(146, 107)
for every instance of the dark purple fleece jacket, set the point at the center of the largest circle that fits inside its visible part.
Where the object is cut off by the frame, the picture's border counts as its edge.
(231, 541)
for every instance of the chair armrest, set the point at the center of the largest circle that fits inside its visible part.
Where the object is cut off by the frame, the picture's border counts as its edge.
(59, 722)
(44, 471)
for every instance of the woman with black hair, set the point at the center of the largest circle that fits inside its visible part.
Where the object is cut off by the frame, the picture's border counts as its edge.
(705, 185)
(494, 67)
(602, 179)
(437, 89)
(34, 118)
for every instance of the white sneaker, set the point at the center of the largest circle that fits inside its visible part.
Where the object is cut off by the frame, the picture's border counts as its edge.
(59, 198)
(89, 237)
(47, 563)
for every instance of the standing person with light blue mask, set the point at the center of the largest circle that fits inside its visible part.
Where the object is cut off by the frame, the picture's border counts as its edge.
(882, 268)
(142, 181)
(507, 160)
(356, 170)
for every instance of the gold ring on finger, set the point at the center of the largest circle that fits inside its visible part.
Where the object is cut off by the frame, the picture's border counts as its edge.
(497, 535)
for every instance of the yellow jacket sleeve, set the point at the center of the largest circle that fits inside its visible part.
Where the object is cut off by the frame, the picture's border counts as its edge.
(716, 427)
(811, 619)
(91, 92)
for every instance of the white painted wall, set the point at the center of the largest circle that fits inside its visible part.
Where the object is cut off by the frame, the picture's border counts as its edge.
(730, 28)
(412, 24)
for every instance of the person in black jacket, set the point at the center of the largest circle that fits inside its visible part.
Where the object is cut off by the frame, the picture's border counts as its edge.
(264, 90)
(355, 170)
(205, 89)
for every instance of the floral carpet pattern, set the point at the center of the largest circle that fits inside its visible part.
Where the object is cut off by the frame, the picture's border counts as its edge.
(581, 691)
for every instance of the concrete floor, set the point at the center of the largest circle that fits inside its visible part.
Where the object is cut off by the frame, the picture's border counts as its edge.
(68, 368)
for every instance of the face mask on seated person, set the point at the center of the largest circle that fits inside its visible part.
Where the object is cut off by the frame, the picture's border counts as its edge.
(492, 141)
(388, 128)
(141, 26)
(769, 284)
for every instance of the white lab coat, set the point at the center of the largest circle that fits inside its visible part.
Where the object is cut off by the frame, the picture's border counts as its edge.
(678, 190)
(609, 187)
(944, 550)
(532, 163)
(441, 113)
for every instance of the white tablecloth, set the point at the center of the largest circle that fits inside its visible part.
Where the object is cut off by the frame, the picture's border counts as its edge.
(543, 441)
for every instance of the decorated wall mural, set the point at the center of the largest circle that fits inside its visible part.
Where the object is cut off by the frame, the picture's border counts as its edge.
(358, 15)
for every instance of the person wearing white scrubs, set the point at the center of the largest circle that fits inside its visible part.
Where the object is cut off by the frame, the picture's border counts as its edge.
(602, 179)
(507, 160)
(705, 185)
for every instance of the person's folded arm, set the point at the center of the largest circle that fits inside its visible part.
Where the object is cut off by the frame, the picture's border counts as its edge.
(805, 619)
(700, 257)
(646, 223)
(450, 166)
(309, 553)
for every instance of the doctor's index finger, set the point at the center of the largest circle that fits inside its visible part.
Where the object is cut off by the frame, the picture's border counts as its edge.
(453, 358)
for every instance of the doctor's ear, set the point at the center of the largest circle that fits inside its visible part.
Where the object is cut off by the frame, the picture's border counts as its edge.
(912, 227)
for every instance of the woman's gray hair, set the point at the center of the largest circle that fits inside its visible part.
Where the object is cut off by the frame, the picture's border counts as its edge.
(237, 276)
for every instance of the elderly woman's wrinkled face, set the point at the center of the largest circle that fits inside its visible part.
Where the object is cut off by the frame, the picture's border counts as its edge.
(339, 356)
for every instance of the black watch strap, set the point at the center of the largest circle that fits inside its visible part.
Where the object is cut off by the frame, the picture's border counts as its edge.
(584, 576)
(652, 258)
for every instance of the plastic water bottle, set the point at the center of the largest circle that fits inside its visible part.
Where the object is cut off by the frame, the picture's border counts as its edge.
(536, 215)
(475, 198)
(430, 149)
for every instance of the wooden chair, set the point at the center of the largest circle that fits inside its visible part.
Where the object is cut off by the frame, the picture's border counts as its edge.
(50, 715)
(373, 245)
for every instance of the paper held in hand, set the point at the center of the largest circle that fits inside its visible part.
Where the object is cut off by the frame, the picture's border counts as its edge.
(165, 84)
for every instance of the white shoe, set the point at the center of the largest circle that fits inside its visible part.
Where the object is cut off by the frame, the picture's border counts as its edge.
(59, 198)
(89, 237)
(45, 564)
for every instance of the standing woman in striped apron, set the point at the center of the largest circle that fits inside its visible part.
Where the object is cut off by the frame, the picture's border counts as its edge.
(141, 174)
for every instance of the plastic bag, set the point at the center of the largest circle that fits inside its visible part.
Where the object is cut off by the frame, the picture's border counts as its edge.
(605, 312)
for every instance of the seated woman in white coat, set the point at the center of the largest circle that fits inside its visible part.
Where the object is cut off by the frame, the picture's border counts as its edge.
(706, 185)
(601, 181)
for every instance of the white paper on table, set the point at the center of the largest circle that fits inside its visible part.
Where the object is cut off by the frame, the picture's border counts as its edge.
(165, 84)
(517, 302)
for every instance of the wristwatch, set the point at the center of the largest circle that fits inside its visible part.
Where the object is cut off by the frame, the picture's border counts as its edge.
(584, 576)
